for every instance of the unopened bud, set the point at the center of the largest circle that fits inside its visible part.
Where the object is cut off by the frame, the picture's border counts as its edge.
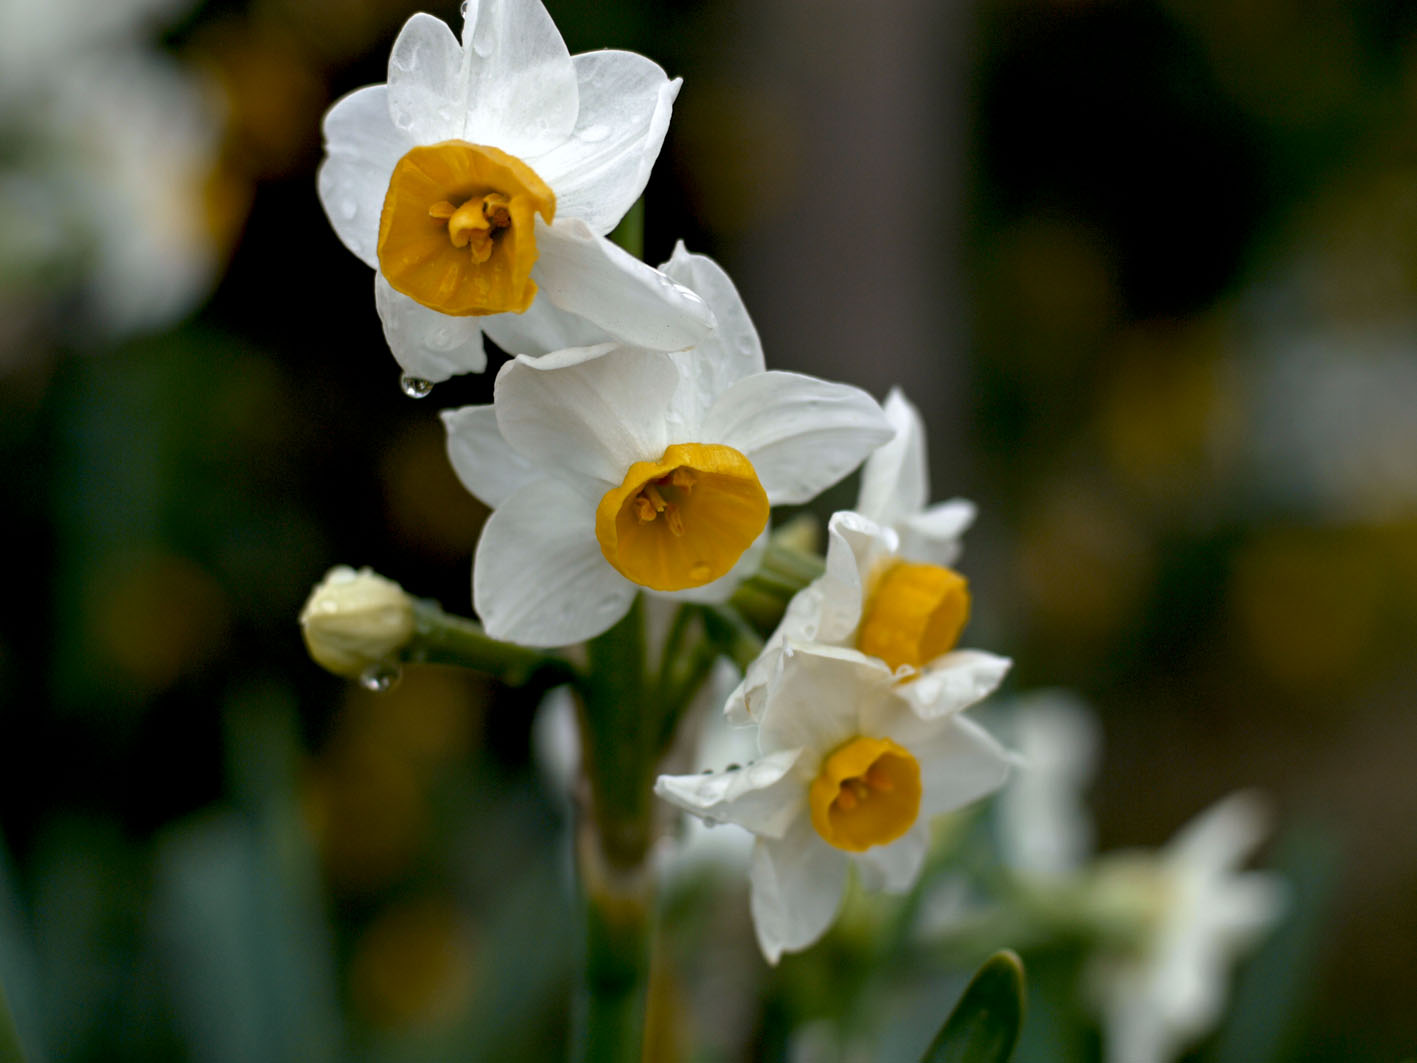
(354, 620)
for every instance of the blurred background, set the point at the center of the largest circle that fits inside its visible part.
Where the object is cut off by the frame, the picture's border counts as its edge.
(1149, 268)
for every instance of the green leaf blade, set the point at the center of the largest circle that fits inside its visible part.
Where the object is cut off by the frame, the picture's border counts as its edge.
(984, 1025)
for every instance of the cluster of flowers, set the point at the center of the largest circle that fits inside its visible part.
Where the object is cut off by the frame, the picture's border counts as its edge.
(636, 442)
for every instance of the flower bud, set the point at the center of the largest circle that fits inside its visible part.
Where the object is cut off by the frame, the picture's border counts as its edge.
(353, 620)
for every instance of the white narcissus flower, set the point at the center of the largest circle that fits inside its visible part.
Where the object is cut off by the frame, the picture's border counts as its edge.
(613, 468)
(848, 774)
(887, 591)
(1200, 911)
(480, 181)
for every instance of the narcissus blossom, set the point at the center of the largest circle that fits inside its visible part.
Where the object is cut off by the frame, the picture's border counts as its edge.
(849, 773)
(1198, 911)
(887, 590)
(479, 183)
(613, 468)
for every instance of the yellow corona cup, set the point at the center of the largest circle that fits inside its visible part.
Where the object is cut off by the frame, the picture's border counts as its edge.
(684, 520)
(458, 230)
(866, 793)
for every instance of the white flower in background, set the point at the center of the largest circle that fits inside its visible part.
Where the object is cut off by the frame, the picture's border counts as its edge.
(613, 468)
(887, 590)
(1199, 911)
(488, 171)
(848, 774)
(111, 148)
(355, 620)
(1044, 826)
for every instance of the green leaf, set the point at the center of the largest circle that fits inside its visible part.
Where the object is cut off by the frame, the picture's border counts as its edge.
(984, 1026)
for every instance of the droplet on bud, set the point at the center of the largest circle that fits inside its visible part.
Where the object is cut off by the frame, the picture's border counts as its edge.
(415, 387)
(378, 678)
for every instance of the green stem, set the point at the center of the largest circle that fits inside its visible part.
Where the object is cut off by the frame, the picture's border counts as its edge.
(630, 233)
(442, 638)
(620, 743)
(734, 636)
(618, 927)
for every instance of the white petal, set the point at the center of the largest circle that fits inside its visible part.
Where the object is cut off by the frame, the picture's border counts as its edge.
(934, 535)
(361, 148)
(521, 92)
(601, 169)
(895, 867)
(855, 546)
(765, 796)
(539, 578)
(1223, 835)
(801, 434)
(960, 762)
(820, 697)
(588, 275)
(797, 885)
(543, 328)
(732, 351)
(425, 343)
(484, 461)
(895, 481)
(427, 84)
(593, 410)
(954, 682)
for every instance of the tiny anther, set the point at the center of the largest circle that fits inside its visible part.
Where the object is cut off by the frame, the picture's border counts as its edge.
(644, 510)
(846, 800)
(655, 498)
(682, 478)
(674, 519)
(879, 779)
(442, 210)
(495, 210)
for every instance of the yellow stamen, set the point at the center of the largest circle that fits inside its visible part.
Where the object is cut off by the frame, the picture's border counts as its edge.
(712, 505)
(866, 793)
(914, 615)
(458, 232)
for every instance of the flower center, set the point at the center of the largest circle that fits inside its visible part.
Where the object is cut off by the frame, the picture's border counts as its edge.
(458, 230)
(866, 793)
(914, 615)
(684, 520)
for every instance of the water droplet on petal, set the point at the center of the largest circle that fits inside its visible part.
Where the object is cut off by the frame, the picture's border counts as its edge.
(415, 387)
(700, 571)
(593, 133)
(378, 678)
(348, 207)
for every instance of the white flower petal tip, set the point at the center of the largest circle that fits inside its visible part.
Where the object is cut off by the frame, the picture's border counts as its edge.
(426, 344)
(760, 795)
(956, 681)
